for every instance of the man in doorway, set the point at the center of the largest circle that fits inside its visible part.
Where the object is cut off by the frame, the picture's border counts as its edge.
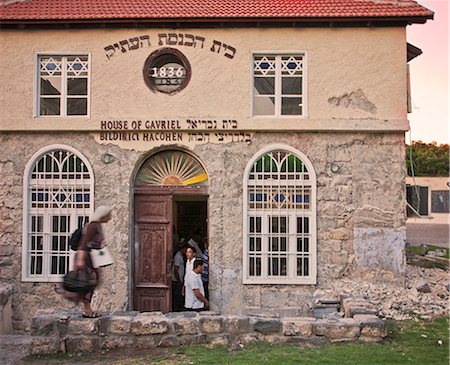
(178, 268)
(194, 241)
(190, 258)
(195, 293)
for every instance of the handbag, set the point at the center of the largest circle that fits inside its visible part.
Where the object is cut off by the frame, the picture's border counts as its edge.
(79, 281)
(101, 257)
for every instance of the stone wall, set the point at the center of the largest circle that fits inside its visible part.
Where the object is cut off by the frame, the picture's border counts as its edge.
(6, 312)
(360, 217)
(72, 333)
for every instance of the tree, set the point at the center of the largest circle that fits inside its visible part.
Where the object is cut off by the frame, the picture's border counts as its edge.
(429, 159)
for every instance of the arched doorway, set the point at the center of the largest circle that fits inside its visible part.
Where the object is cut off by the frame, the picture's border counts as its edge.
(170, 203)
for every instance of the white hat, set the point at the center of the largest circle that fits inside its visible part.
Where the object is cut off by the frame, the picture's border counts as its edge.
(100, 212)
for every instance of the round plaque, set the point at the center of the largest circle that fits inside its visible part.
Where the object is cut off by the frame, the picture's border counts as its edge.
(167, 70)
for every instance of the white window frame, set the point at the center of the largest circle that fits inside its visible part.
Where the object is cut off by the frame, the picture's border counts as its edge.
(47, 214)
(291, 278)
(278, 94)
(37, 91)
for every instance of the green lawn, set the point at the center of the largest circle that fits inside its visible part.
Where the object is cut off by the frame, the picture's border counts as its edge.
(409, 342)
(418, 250)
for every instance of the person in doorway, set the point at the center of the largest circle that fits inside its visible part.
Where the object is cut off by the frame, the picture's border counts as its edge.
(178, 267)
(92, 237)
(194, 241)
(190, 257)
(195, 293)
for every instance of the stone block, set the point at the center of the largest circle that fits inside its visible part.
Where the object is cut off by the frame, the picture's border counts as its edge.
(84, 344)
(248, 338)
(83, 326)
(323, 311)
(298, 327)
(339, 234)
(353, 306)
(339, 329)
(267, 326)
(118, 342)
(44, 345)
(149, 325)
(371, 326)
(236, 324)
(222, 339)
(194, 339)
(310, 341)
(120, 325)
(145, 342)
(43, 325)
(185, 326)
(170, 341)
(211, 324)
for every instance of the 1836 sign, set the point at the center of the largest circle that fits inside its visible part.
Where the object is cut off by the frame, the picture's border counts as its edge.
(167, 70)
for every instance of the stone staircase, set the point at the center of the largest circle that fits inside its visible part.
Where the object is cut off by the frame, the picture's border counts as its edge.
(346, 320)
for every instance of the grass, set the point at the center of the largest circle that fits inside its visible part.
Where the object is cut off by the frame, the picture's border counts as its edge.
(418, 250)
(409, 342)
(415, 256)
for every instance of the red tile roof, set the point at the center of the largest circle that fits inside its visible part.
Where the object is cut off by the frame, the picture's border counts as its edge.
(212, 10)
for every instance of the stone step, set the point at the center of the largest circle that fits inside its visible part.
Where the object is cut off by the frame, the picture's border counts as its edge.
(17, 346)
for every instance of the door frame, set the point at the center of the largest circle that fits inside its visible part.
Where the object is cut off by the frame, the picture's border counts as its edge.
(152, 190)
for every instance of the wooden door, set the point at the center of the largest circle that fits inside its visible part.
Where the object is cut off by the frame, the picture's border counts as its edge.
(152, 252)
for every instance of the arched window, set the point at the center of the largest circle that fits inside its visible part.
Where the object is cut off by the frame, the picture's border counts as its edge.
(279, 218)
(58, 198)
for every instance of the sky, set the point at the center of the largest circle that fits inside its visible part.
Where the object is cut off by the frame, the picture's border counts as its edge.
(429, 119)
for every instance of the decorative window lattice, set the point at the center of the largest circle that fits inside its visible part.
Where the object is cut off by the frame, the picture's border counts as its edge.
(63, 85)
(279, 218)
(172, 168)
(278, 85)
(60, 200)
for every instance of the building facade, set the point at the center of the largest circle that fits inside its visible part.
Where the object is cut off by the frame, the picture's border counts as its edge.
(278, 140)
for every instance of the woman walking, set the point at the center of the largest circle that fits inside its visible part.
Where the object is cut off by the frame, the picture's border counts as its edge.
(92, 238)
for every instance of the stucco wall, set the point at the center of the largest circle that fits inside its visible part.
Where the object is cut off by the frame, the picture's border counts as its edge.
(360, 212)
(349, 73)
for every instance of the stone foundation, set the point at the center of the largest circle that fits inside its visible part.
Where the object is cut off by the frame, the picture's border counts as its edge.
(357, 321)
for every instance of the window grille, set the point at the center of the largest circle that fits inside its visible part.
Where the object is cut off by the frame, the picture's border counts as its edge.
(63, 85)
(278, 85)
(58, 199)
(280, 221)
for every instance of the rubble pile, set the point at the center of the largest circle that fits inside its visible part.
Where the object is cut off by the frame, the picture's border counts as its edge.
(425, 294)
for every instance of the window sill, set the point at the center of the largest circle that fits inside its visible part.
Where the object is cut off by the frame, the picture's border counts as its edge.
(260, 281)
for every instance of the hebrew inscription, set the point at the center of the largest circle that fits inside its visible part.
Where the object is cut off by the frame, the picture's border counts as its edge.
(170, 39)
(173, 130)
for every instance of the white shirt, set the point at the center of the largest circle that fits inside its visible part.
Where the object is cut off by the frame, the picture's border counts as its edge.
(193, 281)
(189, 266)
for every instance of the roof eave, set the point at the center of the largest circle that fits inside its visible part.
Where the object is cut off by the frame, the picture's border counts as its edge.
(251, 21)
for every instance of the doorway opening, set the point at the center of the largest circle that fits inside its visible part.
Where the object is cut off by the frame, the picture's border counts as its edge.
(190, 224)
(170, 204)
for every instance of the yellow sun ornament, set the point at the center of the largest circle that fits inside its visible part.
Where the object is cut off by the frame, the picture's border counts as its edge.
(173, 168)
